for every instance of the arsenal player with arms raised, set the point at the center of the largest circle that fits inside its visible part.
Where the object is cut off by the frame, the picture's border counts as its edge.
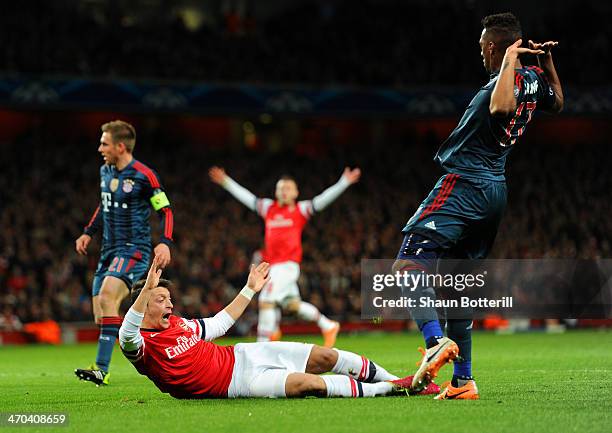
(177, 355)
(285, 219)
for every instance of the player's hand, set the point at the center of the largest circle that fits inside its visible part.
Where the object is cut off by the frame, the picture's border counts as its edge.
(82, 243)
(259, 276)
(545, 46)
(163, 252)
(154, 274)
(515, 50)
(217, 175)
(352, 175)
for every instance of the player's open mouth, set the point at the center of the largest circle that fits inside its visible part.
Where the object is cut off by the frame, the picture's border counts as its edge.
(166, 316)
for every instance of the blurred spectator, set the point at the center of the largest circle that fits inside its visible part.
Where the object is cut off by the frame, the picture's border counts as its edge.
(559, 206)
(373, 43)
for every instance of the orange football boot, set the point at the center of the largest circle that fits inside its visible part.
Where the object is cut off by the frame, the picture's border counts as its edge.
(469, 391)
(329, 336)
(276, 335)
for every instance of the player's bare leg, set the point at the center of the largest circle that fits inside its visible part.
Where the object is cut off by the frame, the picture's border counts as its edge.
(112, 293)
(307, 311)
(97, 309)
(356, 376)
(106, 311)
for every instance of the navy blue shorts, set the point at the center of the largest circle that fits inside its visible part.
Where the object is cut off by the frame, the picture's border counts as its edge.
(461, 214)
(129, 264)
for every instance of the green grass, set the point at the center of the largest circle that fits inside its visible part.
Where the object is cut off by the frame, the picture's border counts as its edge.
(528, 383)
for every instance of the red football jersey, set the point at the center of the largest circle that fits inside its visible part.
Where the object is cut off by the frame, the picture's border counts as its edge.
(183, 365)
(284, 225)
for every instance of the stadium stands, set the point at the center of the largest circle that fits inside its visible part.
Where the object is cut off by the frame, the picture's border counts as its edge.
(558, 207)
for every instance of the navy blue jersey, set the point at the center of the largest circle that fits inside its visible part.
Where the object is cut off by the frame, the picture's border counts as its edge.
(125, 207)
(480, 144)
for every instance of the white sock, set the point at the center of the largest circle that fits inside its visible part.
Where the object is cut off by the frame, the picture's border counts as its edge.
(309, 312)
(278, 315)
(344, 386)
(360, 368)
(266, 324)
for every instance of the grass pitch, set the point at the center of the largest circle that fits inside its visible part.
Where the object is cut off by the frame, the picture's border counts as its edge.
(528, 383)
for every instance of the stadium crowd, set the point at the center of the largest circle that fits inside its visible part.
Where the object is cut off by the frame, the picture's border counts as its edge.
(380, 43)
(558, 207)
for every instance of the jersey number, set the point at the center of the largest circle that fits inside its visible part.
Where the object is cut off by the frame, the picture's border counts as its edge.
(116, 264)
(514, 131)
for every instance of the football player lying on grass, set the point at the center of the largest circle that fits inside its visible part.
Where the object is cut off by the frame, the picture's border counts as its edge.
(177, 355)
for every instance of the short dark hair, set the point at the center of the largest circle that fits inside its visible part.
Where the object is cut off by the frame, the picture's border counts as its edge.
(505, 28)
(288, 177)
(138, 285)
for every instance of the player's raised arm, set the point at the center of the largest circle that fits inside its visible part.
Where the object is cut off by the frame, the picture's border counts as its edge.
(217, 326)
(240, 193)
(503, 101)
(546, 63)
(130, 338)
(324, 199)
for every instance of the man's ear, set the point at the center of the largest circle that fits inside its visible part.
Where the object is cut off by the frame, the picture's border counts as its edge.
(491, 47)
(121, 146)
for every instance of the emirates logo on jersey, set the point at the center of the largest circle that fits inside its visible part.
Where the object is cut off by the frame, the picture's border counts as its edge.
(280, 221)
(183, 344)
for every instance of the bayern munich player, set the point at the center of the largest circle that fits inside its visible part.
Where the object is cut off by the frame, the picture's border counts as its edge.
(460, 216)
(177, 355)
(285, 219)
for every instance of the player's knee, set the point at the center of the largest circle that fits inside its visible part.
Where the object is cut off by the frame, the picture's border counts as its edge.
(292, 306)
(327, 358)
(109, 301)
(266, 306)
(303, 385)
(321, 360)
(106, 299)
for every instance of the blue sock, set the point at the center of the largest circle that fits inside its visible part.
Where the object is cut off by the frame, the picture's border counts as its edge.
(431, 332)
(463, 369)
(460, 331)
(106, 342)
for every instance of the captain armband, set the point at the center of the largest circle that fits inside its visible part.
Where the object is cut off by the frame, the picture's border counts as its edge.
(159, 200)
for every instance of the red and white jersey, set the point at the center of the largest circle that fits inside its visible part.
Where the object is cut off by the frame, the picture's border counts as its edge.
(284, 225)
(181, 363)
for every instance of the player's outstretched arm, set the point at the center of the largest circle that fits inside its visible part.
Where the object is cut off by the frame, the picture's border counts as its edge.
(503, 101)
(324, 199)
(548, 66)
(240, 193)
(217, 326)
(129, 333)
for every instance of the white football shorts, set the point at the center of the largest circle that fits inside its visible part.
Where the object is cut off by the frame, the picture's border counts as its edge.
(283, 283)
(261, 369)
